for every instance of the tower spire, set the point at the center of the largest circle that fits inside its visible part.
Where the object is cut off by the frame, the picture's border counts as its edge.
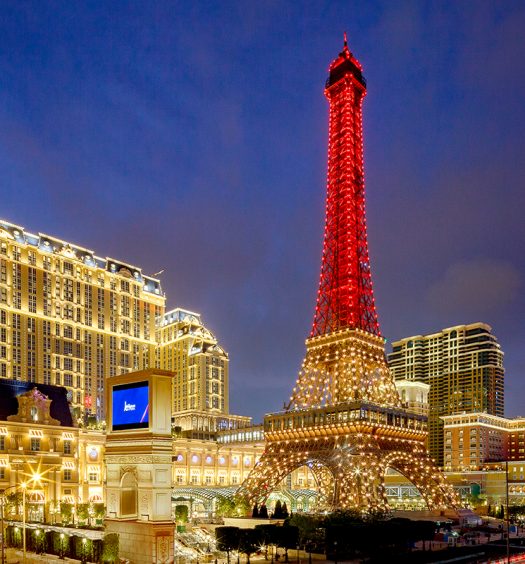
(345, 299)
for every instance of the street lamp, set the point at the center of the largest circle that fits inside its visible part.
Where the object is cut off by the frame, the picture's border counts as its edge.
(2, 506)
(35, 478)
(84, 550)
(23, 485)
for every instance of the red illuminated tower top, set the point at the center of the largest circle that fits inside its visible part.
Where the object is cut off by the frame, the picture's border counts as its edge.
(345, 299)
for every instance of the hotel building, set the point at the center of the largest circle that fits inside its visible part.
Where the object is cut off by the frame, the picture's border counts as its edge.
(41, 446)
(71, 318)
(471, 440)
(463, 366)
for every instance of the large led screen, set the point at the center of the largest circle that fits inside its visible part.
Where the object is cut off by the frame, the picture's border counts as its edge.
(131, 406)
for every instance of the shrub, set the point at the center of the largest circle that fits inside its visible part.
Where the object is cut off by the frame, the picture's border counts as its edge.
(110, 548)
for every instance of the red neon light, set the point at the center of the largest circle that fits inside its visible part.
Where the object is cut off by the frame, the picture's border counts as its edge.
(345, 298)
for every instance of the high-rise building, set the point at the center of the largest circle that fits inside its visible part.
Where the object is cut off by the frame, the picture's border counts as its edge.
(70, 318)
(464, 367)
(189, 349)
(200, 364)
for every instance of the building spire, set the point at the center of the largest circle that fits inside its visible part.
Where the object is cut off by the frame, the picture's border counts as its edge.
(345, 40)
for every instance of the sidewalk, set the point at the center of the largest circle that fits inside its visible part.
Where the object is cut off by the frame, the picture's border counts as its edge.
(14, 556)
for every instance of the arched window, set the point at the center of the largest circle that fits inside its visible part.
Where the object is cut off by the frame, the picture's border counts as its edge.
(128, 495)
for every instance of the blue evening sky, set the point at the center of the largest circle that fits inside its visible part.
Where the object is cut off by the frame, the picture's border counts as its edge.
(191, 137)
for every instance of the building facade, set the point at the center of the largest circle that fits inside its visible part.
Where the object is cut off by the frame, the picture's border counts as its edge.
(414, 396)
(472, 440)
(41, 446)
(70, 318)
(463, 366)
(201, 377)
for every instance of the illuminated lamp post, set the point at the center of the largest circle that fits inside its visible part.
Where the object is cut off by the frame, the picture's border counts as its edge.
(35, 478)
(84, 550)
(61, 551)
(23, 486)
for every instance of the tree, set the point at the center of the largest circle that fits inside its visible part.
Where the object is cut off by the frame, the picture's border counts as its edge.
(99, 510)
(227, 539)
(225, 507)
(255, 511)
(110, 548)
(263, 512)
(249, 542)
(422, 530)
(268, 536)
(237, 507)
(242, 507)
(83, 513)
(66, 512)
(14, 502)
(284, 511)
(278, 510)
(287, 537)
(181, 514)
(308, 526)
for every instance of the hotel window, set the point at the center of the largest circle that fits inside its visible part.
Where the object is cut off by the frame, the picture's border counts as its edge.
(93, 476)
(2, 442)
(35, 444)
(67, 475)
(2, 473)
(67, 447)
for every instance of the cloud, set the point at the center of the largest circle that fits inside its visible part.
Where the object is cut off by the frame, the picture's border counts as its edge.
(475, 288)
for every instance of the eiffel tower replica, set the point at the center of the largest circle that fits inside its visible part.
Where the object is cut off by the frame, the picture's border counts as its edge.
(345, 420)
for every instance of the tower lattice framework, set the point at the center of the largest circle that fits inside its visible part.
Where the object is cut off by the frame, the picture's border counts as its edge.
(345, 420)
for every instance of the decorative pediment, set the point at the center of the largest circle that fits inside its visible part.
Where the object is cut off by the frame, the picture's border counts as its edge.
(68, 251)
(125, 272)
(34, 406)
(5, 233)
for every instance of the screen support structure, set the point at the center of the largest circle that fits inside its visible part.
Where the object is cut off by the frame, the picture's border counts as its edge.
(139, 465)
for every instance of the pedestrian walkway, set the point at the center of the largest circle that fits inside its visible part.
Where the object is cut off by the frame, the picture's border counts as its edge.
(15, 556)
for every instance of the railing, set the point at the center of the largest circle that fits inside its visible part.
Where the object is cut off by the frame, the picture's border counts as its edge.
(344, 414)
